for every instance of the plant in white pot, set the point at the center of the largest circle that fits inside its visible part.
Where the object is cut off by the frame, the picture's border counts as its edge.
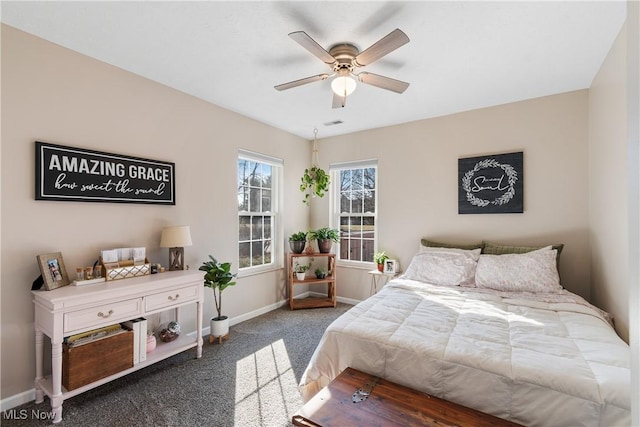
(301, 270)
(218, 277)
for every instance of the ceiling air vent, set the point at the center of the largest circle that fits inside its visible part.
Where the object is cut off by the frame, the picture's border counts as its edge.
(333, 123)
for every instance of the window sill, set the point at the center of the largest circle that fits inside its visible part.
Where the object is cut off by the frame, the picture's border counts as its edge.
(258, 270)
(356, 265)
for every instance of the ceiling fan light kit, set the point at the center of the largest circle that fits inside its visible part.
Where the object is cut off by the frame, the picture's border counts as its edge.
(343, 59)
(343, 85)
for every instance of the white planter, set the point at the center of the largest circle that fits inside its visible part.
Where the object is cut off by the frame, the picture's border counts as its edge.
(300, 276)
(220, 327)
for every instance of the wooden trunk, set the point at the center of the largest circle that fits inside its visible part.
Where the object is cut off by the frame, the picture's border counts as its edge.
(90, 362)
(389, 404)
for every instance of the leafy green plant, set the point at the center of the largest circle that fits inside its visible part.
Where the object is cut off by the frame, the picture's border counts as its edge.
(325, 234)
(320, 273)
(218, 277)
(300, 236)
(301, 268)
(380, 257)
(315, 182)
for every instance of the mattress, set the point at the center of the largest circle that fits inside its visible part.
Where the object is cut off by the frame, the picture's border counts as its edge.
(535, 359)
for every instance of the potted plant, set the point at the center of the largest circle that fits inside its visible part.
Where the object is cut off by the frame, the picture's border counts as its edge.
(297, 241)
(325, 237)
(315, 182)
(379, 258)
(301, 270)
(218, 277)
(320, 273)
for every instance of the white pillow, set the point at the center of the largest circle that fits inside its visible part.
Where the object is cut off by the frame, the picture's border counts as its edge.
(534, 271)
(444, 266)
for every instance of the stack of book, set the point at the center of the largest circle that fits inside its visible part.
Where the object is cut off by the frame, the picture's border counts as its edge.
(139, 328)
(94, 335)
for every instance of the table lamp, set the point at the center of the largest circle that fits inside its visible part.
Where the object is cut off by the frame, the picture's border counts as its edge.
(175, 238)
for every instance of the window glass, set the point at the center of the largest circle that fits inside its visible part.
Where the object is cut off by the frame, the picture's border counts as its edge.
(257, 210)
(354, 189)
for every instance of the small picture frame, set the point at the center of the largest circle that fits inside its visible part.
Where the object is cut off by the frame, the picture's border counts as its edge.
(54, 274)
(390, 266)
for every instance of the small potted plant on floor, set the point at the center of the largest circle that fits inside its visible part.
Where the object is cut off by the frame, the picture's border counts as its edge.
(379, 258)
(325, 238)
(218, 277)
(297, 241)
(301, 270)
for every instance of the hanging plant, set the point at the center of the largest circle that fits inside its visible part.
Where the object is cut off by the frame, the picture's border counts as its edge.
(315, 182)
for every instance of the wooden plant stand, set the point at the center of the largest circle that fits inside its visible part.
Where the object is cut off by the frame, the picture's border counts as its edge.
(213, 339)
(329, 281)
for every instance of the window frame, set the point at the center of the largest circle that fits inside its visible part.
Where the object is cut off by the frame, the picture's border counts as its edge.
(334, 206)
(277, 233)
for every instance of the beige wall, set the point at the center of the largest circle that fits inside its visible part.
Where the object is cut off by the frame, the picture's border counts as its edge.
(633, 138)
(418, 194)
(608, 219)
(55, 95)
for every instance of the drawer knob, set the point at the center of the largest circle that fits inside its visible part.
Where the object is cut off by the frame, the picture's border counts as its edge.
(101, 314)
(174, 298)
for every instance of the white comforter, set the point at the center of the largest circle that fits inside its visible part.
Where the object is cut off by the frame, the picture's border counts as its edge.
(552, 361)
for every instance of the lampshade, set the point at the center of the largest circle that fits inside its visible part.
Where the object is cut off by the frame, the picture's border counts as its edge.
(178, 236)
(343, 85)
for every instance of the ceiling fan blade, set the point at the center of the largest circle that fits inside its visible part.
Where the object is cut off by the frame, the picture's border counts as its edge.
(338, 101)
(383, 82)
(312, 46)
(385, 45)
(301, 82)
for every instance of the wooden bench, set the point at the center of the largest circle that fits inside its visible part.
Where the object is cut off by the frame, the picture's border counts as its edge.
(388, 404)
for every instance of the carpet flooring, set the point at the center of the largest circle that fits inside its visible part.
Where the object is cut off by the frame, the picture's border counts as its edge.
(249, 380)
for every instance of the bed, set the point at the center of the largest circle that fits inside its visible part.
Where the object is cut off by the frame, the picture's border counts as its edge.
(494, 332)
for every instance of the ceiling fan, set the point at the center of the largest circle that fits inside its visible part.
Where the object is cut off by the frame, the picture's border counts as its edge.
(344, 58)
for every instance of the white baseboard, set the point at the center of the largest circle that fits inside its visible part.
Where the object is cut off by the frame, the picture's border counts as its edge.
(349, 301)
(206, 330)
(30, 395)
(17, 400)
(256, 313)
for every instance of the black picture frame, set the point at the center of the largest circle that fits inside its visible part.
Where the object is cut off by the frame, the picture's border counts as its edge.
(491, 184)
(80, 175)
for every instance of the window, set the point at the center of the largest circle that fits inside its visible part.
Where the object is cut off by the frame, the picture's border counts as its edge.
(354, 187)
(258, 203)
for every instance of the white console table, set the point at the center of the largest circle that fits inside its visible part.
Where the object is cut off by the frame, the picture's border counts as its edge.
(71, 309)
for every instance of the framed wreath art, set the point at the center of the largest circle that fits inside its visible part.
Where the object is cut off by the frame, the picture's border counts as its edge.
(491, 184)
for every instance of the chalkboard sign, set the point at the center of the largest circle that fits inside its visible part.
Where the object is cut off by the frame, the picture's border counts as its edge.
(490, 184)
(76, 174)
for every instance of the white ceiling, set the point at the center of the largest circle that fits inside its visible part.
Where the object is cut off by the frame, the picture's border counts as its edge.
(462, 55)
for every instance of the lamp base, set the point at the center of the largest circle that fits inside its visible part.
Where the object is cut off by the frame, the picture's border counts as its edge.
(176, 259)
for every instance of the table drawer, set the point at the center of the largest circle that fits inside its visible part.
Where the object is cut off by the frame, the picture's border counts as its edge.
(106, 314)
(172, 298)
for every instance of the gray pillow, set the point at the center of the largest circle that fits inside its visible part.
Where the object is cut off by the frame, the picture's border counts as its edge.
(434, 244)
(498, 249)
